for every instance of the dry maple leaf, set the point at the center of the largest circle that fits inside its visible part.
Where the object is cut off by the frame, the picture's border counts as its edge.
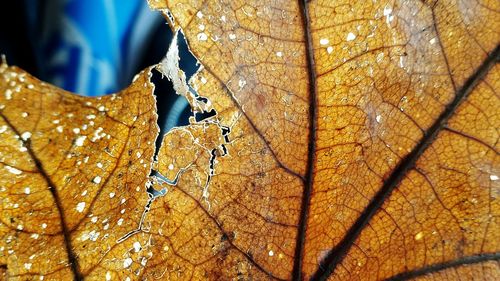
(354, 140)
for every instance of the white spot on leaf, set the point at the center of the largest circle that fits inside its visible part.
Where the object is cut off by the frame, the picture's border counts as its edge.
(8, 94)
(242, 83)
(351, 36)
(13, 170)
(93, 235)
(80, 140)
(97, 180)
(80, 207)
(137, 246)
(387, 11)
(202, 36)
(26, 135)
(127, 262)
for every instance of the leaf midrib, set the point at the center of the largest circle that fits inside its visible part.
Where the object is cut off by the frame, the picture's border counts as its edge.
(311, 147)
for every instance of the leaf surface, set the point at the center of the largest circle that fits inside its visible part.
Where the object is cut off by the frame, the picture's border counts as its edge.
(359, 123)
(73, 171)
(354, 140)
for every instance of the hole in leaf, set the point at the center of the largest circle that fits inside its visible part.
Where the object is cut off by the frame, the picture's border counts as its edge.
(200, 116)
(188, 63)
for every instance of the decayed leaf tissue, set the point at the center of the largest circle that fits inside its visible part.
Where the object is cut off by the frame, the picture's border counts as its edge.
(348, 140)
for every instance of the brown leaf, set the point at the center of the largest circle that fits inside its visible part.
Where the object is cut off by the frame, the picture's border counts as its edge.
(354, 140)
(357, 148)
(73, 172)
